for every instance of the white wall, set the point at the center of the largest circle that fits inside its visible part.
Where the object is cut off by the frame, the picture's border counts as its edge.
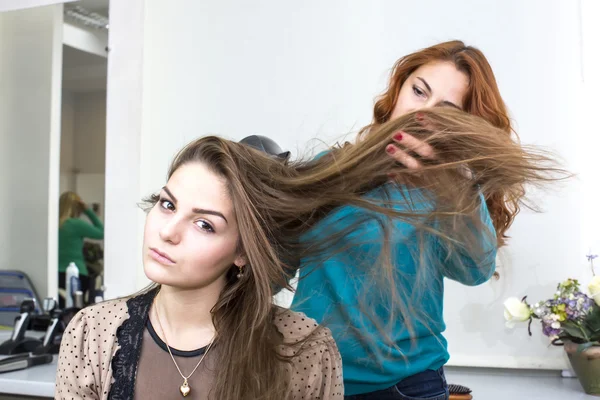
(30, 59)
(83, 145)
(123, 136)
(91, 188)
(90, 132)
(590, 175)
(295, 71)
(67, 142)
(90, 147)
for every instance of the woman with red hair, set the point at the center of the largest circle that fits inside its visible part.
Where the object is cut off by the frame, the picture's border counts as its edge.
(395, 349)
(455, 75)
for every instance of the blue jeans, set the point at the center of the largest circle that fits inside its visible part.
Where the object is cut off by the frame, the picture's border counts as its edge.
(426, 385)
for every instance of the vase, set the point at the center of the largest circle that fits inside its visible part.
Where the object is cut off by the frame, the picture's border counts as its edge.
(586, 365)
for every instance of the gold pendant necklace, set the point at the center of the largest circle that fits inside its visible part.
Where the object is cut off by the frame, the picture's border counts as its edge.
(185, 388)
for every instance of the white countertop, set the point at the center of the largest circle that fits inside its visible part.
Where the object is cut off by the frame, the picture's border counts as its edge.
(486, 383)
(501, 384)
(34, 381)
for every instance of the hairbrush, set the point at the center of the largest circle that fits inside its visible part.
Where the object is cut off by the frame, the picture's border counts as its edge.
(459, 392)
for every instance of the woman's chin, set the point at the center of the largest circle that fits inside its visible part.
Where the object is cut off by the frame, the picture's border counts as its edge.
(165, 276)
(157, 273)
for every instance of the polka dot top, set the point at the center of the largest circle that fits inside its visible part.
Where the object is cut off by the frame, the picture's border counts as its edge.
(100, 351)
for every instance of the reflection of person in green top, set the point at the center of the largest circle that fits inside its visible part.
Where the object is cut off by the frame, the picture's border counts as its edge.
(71, 233)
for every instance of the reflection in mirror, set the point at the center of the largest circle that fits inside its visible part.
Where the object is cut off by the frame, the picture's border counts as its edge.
(82, 162)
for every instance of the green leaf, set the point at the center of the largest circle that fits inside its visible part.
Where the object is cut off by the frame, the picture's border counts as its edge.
(595, 337)
(593, 319)
(593, 331)
(574, 331)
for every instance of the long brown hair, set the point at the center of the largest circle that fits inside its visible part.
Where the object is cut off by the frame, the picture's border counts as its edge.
(277, 204)
(482, 99)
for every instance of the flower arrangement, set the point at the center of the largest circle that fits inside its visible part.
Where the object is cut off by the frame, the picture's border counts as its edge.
(569, 316)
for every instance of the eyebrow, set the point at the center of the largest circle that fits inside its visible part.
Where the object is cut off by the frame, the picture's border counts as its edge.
(425, 83)
(444, 103)
(196, 210)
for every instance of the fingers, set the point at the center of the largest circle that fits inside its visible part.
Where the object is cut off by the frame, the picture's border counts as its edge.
(402, 157)
(413, 144)
(405, 144)
(423, 122)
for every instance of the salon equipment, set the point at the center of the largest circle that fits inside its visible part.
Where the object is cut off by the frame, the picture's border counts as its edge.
(266, 145)
(15, 286)
(18, 343)
(78, 299)
(99, 295)
(53, 321)
(22, 361)
(59, 319)
(52, 330)
(72, 284)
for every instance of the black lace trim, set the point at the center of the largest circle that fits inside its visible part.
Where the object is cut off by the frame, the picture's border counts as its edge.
(129, 337)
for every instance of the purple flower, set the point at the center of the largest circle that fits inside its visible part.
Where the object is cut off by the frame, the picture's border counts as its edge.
(549, 331)
(572, 303)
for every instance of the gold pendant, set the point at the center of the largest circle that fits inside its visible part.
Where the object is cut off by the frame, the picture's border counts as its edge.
(185, 388)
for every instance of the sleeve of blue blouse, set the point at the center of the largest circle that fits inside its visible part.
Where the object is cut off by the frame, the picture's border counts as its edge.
(476, 266)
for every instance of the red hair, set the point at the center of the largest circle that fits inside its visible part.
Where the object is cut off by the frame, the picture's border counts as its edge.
(482, 99)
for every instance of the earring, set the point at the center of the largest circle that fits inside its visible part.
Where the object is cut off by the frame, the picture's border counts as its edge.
(240, 274)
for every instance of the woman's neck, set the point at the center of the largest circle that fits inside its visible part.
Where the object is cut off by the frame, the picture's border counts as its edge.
(182, 317)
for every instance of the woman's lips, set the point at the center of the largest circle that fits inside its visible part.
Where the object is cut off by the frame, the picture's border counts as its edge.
(160, 257)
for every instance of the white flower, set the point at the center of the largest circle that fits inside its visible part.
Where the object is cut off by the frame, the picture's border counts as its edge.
(515, 311)
(594, 288)
(555, 325)
(539, 311)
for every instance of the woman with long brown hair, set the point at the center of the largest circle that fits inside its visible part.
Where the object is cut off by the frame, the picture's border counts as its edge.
(207, 328)
(391, 343)
(231, 225)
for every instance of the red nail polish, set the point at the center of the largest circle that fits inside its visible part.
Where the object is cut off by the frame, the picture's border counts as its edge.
(391, 149)
(398, 136)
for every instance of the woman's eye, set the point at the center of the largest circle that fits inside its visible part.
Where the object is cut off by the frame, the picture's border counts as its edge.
(166, 204)
(418, 91)
(205, 226)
